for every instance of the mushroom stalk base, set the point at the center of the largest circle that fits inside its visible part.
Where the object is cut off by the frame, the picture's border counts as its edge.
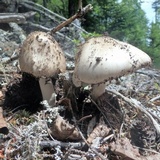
(97, 90)
(47, 91)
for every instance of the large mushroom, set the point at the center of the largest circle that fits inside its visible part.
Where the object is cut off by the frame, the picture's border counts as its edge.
(42, 57)
(101, 59)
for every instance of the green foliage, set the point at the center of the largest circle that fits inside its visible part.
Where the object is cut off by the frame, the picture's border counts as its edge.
(156, 7)
(120, 21)
(37, 17)
(23, 117)
(156, 85)
(89, 35)
(134, 28)
(57, 6)
(76, 42)
(102, 15)
(154, 47)
(86, 36)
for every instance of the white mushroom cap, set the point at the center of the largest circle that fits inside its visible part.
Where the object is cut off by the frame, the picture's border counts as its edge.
(103, 58)
(41, 55)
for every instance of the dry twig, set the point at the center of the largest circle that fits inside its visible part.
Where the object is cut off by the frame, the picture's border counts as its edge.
(136, 104)
(50, 144)
(70, 20)
(39, 8)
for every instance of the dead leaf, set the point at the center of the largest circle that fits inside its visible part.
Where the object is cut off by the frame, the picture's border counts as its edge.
(62, 130)
(1, 95)
(2, 154)
(157, 103)
(99, 131)
(122, 147)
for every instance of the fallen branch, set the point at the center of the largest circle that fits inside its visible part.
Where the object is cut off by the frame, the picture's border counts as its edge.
(80, 14)
(12, 18)
(148, 74)
(48, 30)
(50, 144)
(14, 56)
(18, 30)
(136, 104)
(39, 8)
(15, 17)
(155, 98)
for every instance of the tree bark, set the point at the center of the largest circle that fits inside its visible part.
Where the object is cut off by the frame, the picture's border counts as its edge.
(72, 7)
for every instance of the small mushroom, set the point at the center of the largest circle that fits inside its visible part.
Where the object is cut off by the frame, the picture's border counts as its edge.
(101, 59)
(42, 57)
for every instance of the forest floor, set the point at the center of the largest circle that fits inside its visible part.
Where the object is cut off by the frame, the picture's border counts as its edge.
(122, 124)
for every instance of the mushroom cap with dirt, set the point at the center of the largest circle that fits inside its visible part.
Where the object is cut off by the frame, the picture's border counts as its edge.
(101, 59)
(42, 56)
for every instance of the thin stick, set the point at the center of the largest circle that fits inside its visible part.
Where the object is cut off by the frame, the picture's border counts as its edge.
(134, 103)
(6, 149)
(155, 98)
(80, 5)
(83, 118)
(80, 14)
(54, 143)
(107, 138)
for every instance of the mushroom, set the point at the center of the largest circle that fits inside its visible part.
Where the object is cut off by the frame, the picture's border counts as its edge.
(42, 57)
(101, 59)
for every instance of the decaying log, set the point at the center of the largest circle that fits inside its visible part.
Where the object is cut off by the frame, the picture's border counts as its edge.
(12, 18)
(15, 17)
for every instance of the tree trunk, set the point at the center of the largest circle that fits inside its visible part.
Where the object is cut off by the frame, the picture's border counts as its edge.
(72, 7)
(45, 3)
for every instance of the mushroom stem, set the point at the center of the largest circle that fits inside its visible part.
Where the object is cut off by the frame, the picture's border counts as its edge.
(47, 90)
(97, 90)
